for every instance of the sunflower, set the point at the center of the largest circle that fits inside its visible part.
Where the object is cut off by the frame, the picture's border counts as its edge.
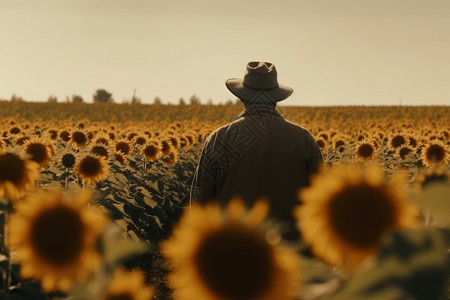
(435, 152)
(102, 138)
(17, 175)
(166, 147)
(91, 168)
(220, 255)
(79, 139)
(171, 159)
(64, 135)
(123, 146)
(140, 140)
(20, 140)
(404, 151)
(346, 213)
(365, 150)
(102, 150)
(431, 175)
(397, 140)
(121, 158)
(38, 150)
(321, 143)
(128, 285)
(151, 151)
(54, 237)
(66, 158)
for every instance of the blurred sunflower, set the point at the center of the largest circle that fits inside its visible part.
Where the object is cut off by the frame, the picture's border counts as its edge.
(17, 175)
(140, 140)
(19, 140)
(121, 158)
(221, 255)
(102, 150)
(151, 151)
(102, 138)
(91, 169)
(38, 150)
(435, 152)
(66, 158)
(321, 143)
(431, 175)
(64, 135)
(346, 213)
(128, 285)
(124, 146)
(175, 141)
(397, 140)
(55, 239)
(166, 147)
(365, 150)
(78, 139)
(171, 159)
(403, 151)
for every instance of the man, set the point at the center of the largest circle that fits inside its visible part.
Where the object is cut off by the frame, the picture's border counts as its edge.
(259, 154)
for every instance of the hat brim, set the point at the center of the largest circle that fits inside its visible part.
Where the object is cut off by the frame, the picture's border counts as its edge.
(237, 87)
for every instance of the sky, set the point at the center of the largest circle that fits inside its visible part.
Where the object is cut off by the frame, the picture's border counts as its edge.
(331, 52)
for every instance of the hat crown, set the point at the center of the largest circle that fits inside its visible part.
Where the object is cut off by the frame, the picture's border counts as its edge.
(261, 75)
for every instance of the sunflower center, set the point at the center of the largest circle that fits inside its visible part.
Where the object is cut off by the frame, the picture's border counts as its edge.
(22, 140)
(361, 214)
(365, 150)
(79, 137)
(398, 141)
(235, 263)
(68, 160)
(150, 151)
(12, 168)
(141, 140)
(165, 147)
(38, 152)
(90, 166)
(122, 296)
(404, 151)
(65, 136)
(100, 150)
(57, 235)
(124, 147)
(435, 153)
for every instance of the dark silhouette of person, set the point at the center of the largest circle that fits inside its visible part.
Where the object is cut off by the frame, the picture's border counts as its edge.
(259, 154)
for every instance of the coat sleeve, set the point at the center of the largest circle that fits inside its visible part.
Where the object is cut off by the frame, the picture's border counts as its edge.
(203, 185)
(315, 158)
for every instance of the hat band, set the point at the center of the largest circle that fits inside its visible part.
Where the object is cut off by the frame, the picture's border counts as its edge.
(265, 89)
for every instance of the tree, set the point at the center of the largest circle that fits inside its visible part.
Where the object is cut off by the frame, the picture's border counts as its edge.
(181, 102)
(157, 100)
(77, 99)
(103, 96)
(194, 100)
(52, 99)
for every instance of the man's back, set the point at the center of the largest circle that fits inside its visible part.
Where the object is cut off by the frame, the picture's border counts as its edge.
(259, 155)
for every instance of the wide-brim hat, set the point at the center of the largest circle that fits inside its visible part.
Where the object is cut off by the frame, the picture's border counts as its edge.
(259, 76)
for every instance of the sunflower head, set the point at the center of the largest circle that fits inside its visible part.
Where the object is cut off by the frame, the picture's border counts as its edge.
(225, 255)
(38, 150)
(54, 237)
(435, 152)
(166, 147)
(404, 151)
(79, 139)
(432, 175)
(17, 175)
(92, 168)
(365, 150)
(346, 212)
(151, 151)
(397, 140)
(64, 135)
(123, 146)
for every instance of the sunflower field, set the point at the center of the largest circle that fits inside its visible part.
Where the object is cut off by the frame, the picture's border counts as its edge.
(94, 204)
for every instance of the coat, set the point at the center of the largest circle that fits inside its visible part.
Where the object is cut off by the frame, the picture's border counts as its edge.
(258, 155)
